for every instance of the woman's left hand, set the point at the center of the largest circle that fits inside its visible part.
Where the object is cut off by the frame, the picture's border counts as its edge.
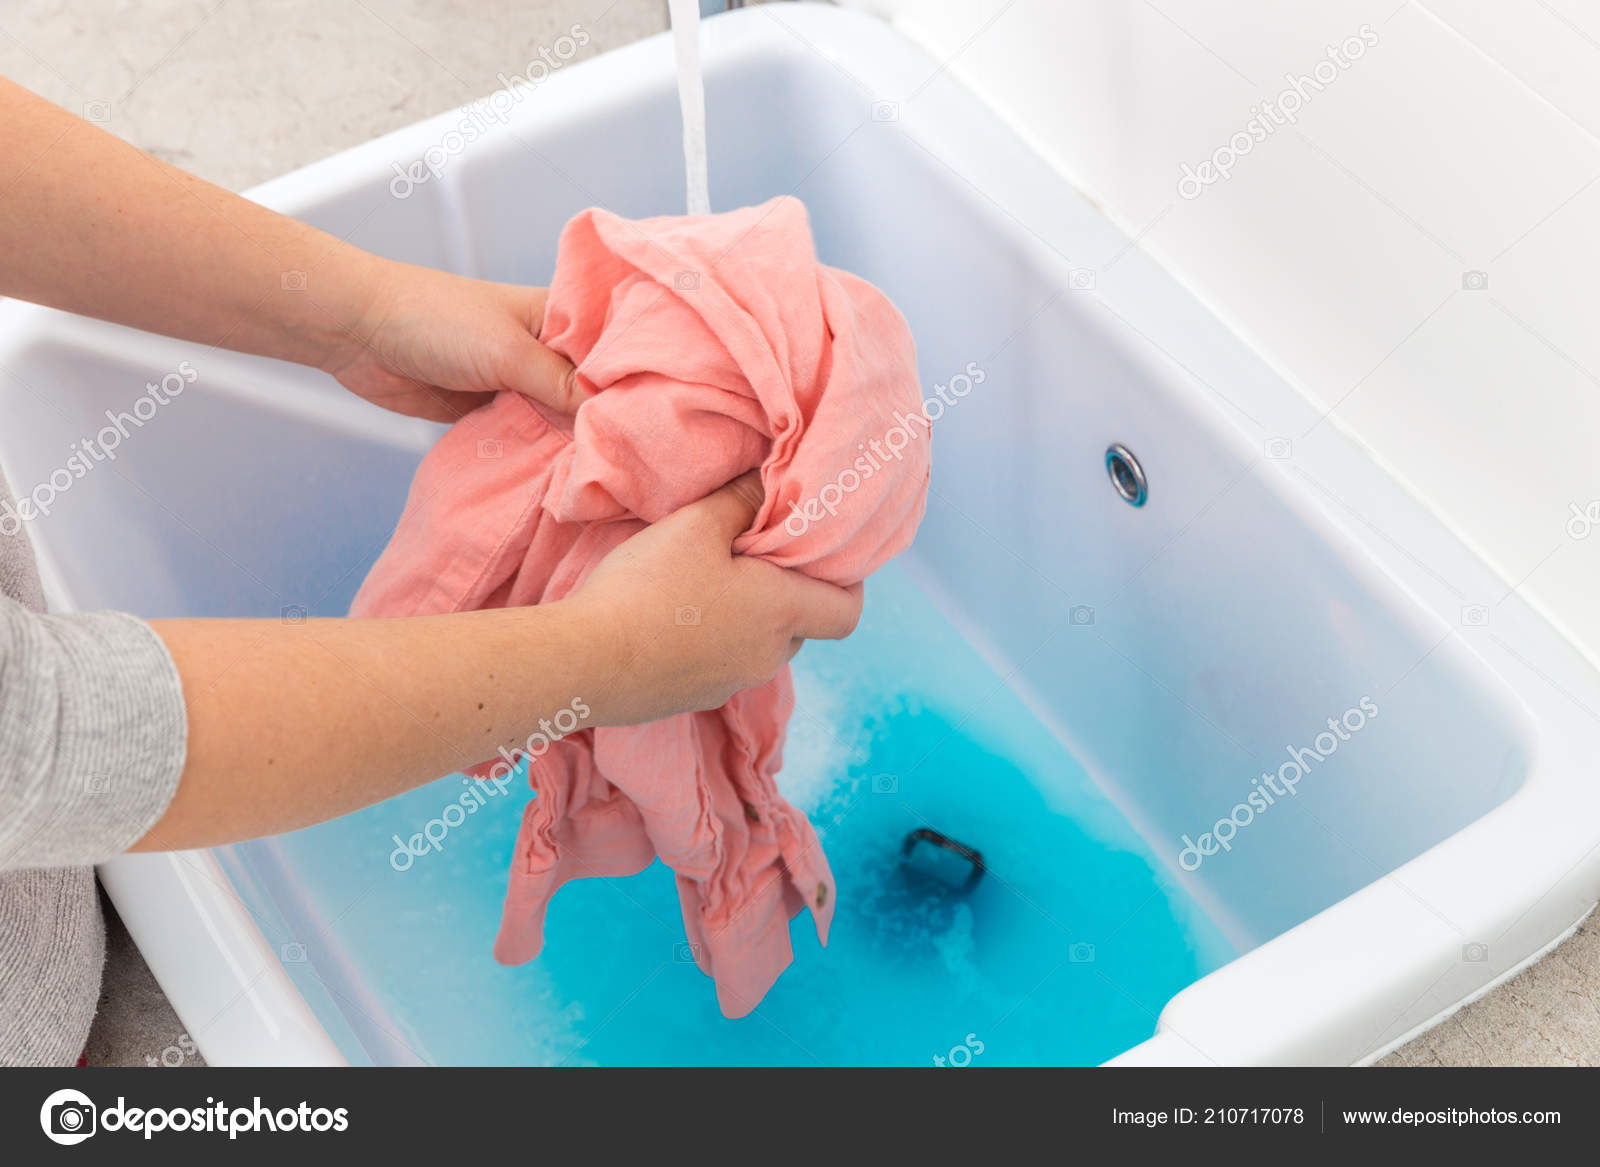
(435, 345)
(93, 226)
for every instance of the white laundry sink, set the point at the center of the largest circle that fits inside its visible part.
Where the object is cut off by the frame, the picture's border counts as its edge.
(1254, 783)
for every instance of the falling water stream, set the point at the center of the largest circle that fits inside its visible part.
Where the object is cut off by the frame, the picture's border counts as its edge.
(685, 16)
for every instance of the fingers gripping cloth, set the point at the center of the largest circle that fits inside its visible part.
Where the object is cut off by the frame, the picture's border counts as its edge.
(705, 346)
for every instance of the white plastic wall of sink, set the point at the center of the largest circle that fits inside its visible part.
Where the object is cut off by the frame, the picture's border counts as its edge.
(1463, 142)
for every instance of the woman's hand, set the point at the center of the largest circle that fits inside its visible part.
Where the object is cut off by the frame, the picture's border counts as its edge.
(435, 346)
(333, 715)
(92, 225)
(691, 623)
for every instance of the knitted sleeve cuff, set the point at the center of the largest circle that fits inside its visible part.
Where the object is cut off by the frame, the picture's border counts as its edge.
(93, 735)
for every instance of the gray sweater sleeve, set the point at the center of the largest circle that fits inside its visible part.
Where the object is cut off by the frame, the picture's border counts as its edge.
(93, 735)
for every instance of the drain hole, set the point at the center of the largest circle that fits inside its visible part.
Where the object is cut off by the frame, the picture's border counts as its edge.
(1126, 474)
(946, 844)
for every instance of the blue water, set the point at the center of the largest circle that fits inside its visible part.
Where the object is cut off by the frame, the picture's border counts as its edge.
(1064, 953)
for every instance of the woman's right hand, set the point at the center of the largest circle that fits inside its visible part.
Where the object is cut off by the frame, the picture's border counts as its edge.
(689, 622)
(293, 724)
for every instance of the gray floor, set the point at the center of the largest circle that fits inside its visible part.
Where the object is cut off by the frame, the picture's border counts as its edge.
(1549, 1015)
(241, 90)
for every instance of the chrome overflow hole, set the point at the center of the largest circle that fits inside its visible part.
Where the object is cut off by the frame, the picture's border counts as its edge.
(1127, 476)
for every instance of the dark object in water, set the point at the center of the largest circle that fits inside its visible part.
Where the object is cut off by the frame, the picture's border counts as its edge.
(946, 843)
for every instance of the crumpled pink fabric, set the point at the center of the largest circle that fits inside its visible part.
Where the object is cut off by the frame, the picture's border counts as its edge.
(706, 346)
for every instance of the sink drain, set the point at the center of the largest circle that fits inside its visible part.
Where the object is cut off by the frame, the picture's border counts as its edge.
(1127, 476)
(946, 843)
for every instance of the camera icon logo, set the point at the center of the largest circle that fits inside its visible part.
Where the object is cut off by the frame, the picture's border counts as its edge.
(886, 111)
(293, 281)
(68, 1117)
(1475, 953)
(489, 449)
(886, 784)
(1474, 616)
(685, 953)
(1475, 281)
(1081, 953)
(1081, 279)
(686, 281)
(686, 616)
(98, 112)
(1278, 449)
(97, 783)
(292, 953)
(293, 614)
(1080, 615)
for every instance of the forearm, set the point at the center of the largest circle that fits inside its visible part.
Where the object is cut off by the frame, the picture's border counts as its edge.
(92, 225)
(293, 724)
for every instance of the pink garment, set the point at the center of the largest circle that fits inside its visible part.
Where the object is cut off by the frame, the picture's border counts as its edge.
(706, 346)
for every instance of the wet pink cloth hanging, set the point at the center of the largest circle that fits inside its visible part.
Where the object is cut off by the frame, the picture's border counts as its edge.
(706, 346)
